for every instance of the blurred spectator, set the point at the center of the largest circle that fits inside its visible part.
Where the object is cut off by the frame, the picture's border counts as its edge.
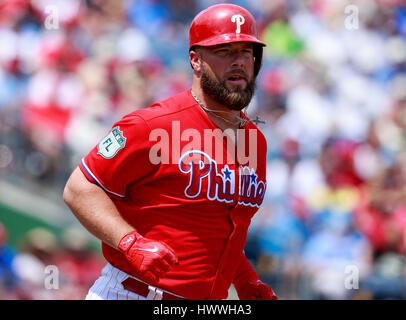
(381, 214)
(387, 281)
(79, 267)
(328, 253)
(8, 278)
(50, 268)
(37, 251)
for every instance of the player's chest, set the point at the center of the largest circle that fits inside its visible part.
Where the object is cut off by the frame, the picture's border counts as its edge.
(212, 165)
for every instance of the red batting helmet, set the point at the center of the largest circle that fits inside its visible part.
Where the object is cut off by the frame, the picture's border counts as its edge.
(226, 23)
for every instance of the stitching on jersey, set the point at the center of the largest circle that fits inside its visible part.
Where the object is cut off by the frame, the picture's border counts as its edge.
(97, 181)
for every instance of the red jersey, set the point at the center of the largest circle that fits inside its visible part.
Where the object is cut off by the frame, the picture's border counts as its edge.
(201, 208)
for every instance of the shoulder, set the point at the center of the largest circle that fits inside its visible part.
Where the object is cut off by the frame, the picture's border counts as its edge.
(158, 115)
(179, 103)
(251, 126)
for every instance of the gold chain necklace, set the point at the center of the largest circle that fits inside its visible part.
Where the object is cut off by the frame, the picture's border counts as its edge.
(241, 121)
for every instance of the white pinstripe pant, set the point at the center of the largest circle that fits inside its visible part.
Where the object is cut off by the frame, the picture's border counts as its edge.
(109, 287)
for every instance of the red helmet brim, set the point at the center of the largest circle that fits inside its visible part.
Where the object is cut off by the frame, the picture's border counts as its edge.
(228, 38)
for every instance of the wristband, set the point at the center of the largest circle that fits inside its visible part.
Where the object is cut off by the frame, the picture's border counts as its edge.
(128, 241)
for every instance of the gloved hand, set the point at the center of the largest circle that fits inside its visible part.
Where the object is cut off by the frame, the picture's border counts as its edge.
(255, 290)
(149, 257)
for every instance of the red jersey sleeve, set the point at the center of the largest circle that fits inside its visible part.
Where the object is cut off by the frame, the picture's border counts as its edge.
(121, 157)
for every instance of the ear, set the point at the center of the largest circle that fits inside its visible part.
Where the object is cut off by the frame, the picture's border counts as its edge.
(195, 61)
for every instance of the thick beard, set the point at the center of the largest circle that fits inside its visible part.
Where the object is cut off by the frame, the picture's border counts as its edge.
(235, 99)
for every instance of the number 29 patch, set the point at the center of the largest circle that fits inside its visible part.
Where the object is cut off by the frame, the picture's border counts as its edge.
(112, 143)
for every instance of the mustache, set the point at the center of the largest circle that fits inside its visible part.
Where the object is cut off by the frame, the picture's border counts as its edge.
(237, 71)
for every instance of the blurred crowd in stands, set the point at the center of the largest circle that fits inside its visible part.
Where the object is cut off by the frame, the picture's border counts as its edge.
(332, 91)
(45, 267)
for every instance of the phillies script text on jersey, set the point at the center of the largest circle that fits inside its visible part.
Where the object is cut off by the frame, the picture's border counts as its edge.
(221, 186)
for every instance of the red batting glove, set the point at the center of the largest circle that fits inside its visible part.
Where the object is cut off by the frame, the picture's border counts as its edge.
(255, 290)
(149, 257)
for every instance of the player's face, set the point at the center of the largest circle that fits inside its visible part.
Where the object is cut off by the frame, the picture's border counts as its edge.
(227, 73)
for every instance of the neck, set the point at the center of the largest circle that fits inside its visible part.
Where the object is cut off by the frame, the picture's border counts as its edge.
(230, 116)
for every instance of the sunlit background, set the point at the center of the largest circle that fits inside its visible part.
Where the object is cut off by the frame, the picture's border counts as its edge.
(332, 90)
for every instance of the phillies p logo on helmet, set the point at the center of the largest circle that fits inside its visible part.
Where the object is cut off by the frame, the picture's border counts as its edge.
(239, 20)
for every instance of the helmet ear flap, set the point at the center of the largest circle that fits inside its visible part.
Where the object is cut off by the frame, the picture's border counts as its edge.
(258, 53)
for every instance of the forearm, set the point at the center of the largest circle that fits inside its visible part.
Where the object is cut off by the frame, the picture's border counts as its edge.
(245, 272)
(94, 209)
(248, 285)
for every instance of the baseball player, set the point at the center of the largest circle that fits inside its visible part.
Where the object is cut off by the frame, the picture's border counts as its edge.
(170, 201)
